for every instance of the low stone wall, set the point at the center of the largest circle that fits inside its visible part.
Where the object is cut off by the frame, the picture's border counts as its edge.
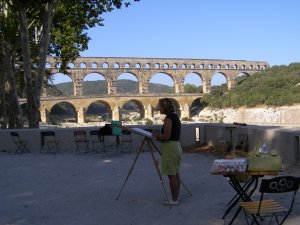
(283, 141)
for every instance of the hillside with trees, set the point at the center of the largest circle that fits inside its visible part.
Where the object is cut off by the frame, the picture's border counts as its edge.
(99, 87)
(277, 86)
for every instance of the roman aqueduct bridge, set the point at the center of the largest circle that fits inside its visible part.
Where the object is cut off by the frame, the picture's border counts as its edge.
(143, 69)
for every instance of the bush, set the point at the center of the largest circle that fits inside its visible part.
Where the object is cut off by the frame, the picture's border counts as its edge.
(186, 119)
(148, 121)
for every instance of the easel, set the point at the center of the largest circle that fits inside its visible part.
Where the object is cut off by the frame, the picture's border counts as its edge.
(149, 141)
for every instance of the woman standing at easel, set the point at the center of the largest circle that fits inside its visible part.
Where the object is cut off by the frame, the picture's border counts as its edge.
(171, 147)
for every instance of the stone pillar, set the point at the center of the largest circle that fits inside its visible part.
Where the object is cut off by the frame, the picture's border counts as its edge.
(44, 115)
(116, 113)
(180, 86)
(149, 112)
(78, 87)
(143, 83)
(231, 80)
(112, 86)
(186, 111)
(207, 82)
(81, 115)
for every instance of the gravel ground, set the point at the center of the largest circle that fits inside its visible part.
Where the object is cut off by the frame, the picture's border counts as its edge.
(69, 189)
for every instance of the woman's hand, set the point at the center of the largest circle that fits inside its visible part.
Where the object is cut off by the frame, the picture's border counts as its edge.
(155, 133)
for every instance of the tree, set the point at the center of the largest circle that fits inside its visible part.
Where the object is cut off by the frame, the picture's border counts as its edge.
(191, 88)
(45, 28)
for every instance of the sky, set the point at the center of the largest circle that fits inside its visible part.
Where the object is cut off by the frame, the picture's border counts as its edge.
(258, 30)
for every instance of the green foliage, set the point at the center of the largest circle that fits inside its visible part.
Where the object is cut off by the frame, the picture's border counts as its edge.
(70, 23)
(191, 88)
(136, 118)
(277, 86)
(186, 119)
(99, 87)
(148, 121)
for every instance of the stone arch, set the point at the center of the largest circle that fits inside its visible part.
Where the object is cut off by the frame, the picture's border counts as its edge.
(83, 65)
(116, 66)
(56, 85)
(240, 77)
(105, 65)
(58, 65)
(94, 65)
(94, 84)
(129, 81)
(164, 84)
(196, 107)
(62, 111)
(98, 110)
(132, 109)
(193, 79)
(219, 82)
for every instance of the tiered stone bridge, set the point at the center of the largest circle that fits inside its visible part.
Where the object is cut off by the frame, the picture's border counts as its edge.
(143, 69)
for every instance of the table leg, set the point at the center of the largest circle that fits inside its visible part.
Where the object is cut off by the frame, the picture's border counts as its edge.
(243, 193)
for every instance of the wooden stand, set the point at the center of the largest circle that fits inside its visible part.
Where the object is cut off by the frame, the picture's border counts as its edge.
(147, 140)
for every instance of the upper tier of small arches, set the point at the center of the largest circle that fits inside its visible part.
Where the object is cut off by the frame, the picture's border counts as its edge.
(148, 63)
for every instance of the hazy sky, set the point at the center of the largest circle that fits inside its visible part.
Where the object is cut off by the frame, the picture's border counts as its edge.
(262, 30)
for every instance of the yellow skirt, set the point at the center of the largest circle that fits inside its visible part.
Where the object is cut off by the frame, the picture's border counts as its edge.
(171, 157)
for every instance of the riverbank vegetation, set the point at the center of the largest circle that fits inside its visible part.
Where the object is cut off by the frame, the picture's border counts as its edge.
(277, 86)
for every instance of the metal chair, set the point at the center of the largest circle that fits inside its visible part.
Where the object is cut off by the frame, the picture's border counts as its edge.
(21, 144)
(258, 211)
(48, 138)
(126, 140)
(97, 141)
(82, 143)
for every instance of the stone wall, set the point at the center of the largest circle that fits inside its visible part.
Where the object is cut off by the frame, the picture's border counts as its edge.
(282, 141)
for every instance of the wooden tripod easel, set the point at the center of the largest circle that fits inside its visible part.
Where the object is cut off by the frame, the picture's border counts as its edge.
(151, 145)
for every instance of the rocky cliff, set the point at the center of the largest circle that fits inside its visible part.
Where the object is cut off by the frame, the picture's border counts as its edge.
(282, 116)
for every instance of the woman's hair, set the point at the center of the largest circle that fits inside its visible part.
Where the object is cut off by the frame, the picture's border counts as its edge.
(167, 104)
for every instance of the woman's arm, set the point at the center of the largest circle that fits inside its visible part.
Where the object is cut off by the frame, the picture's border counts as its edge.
(167, 130)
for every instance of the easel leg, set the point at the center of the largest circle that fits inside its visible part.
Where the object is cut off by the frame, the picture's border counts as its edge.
(151, 142)
(132, 166)
(158, 171)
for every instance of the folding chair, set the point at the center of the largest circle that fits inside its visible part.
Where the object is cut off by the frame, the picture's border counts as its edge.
(97, 141)
(126, 140)
(257, 211)
(48, 138)
(81, 141)
(21, 144)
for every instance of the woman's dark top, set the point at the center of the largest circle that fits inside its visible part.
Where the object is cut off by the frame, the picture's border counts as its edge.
(176, 126)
